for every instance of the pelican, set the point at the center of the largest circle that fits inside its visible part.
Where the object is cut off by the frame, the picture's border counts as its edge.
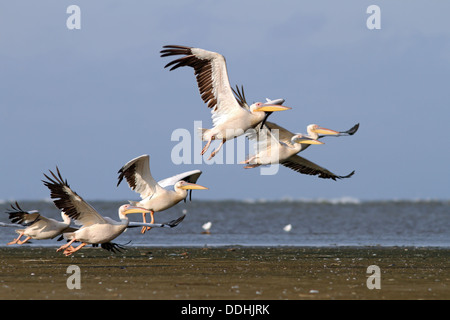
(230, 119)
(155, 197)
(283, 149)
(36, 226)
(95, 229)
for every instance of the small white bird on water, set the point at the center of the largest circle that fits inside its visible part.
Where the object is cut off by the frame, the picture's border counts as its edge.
(207, 227)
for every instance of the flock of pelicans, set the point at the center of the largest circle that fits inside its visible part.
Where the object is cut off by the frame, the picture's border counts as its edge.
(231, 117)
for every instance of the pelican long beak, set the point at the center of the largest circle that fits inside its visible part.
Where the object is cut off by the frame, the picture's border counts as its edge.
(132, 209)
(306, 140)
(270, 107)
(321, 130)
(193, 186)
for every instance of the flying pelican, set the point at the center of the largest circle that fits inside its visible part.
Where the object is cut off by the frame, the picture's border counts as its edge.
(230, 119)
(95, 229)
(283, 149)
(36, 226)
(155, 197)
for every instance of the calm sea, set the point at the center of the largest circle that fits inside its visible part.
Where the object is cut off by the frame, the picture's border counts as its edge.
(343, 222)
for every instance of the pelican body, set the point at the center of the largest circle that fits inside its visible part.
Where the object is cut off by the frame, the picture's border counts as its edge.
(230, 119)
(95, 229)
(278, 145)
(103, 231)
(157, 196)
(37, 226)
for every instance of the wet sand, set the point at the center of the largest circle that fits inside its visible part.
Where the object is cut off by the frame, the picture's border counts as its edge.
(230, 273)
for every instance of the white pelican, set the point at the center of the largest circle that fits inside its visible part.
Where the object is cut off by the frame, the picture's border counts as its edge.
(155, 197)
(36, 226)
(283, 149)
(95, 229)
(230, 119)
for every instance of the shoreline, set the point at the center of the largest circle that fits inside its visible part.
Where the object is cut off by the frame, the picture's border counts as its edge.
(228, 272)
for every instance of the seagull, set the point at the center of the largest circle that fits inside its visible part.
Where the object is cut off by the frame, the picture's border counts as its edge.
(156, 196)
(36, 226)
(207, 226)
(230, 119)
(95, 228)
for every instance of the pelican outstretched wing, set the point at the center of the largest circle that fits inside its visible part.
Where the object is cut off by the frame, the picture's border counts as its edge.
(70, 202)
(188, 176)
(138, 176)
(284, 135)
(169, 224)
(304, 166)
(210, 70)
(240, 97)
(25, 218)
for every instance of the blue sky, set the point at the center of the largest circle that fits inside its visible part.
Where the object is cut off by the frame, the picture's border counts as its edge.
(90, 100)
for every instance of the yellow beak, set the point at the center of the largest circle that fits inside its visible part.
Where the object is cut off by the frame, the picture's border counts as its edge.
(193, 186)
(272, 108)
(135, 210)
(305, 140)
(308, 141)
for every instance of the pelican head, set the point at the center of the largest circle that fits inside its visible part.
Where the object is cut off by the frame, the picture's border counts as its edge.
(268, 107)
(314, 130)
(302, 139)
(188, 186)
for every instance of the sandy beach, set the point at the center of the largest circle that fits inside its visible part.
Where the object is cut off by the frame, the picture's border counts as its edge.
(226, 273)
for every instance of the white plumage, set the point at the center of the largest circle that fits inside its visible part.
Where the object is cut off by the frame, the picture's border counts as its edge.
(230, 118)
(156, 196)
(37, 226)
(276, 145)
(95, 229)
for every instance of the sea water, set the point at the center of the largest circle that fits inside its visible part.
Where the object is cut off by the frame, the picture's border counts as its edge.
(340, 222)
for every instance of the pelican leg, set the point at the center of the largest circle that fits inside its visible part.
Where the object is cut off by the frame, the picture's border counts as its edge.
(70, 250)
(217, 150)
(251, 166)
(16, 240)
(152, 220)
(248, 160)
(144, 220)
(66, 245)
(206, 146)
(22, 242)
